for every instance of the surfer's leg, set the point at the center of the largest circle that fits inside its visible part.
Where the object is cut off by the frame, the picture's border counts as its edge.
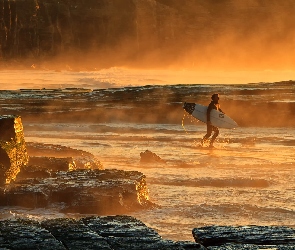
(209, 132)
(216, 133)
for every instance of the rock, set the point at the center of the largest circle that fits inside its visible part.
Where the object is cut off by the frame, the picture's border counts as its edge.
(26, 234)
(243, 235)
(74, 158)
(103, 233)
(28, 193)
(83, 191)
(74, 234)
(33, 171)
(13, 152)
(150, 157)
(126, 232)
(251, 247)
(42, 167)
(53, 164)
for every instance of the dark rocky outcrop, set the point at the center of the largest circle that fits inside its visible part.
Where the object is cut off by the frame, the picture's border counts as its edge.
(13, 152)
(52, 156)
(48, 165)
(75, 184)
(42, 167)
(81, 191)
(150, 157)
(103, 233)
(245, 237)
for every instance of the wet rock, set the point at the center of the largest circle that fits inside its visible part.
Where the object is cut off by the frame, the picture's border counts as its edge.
(84, 191)
(267, 236)
(74, 158)
(103, 233)
(28, 193)
(53, 163)
(74, 234)
(42, 167)
(26, 234)
(251, 247)
(13, 152)
(125, 232)
(150, 157)
(33, 171)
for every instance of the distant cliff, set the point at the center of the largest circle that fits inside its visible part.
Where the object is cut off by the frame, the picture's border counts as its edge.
(134, 30)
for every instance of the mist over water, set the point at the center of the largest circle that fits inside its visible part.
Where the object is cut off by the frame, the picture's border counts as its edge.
(125, 77)
(247, 179)
(118, 91)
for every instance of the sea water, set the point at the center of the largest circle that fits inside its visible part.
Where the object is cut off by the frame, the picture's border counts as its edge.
(247, 179)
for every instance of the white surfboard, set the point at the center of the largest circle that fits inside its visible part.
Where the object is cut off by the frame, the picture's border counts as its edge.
(217, 118)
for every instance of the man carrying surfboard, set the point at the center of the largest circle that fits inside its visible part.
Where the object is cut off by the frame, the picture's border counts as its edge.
(213, 105)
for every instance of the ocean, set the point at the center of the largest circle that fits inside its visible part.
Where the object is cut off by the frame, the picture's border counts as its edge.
(248, 179)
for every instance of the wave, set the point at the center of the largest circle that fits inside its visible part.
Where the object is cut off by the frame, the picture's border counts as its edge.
(98, 83)
(151, 103)
(242, 210)
(215, 182)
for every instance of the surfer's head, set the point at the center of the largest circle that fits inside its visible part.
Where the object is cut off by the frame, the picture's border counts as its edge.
(215, 98)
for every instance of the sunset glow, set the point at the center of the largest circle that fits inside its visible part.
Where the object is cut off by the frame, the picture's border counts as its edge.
(120, 93)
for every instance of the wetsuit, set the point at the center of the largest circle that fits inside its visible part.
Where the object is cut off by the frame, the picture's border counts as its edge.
(210, 127)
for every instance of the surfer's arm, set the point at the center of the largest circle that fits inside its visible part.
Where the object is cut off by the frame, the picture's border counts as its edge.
(221, 110)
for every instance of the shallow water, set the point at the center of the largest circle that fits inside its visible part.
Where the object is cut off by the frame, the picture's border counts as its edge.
(249, 178)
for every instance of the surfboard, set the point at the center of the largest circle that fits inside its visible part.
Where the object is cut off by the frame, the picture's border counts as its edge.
(217, 118)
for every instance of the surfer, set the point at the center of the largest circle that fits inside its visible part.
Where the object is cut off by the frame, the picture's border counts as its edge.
(213, 105)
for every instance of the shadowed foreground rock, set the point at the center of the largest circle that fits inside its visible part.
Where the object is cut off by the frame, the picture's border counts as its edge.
(100, 192)
(13, 152)
(103, 233)
(245, 237)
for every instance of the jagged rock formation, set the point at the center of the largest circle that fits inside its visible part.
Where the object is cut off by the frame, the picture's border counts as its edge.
(52, 156)
(103, 233)
(13, 152)
(245, 237)
(150, 157)
(74, 184)
(81, 191)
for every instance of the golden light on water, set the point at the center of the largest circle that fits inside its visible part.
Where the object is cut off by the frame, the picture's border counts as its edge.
(122, 77)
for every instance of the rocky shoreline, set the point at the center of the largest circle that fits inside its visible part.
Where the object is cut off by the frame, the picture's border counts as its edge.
(73, 181)
(120, 232)
(77, 184)
(245, 237)
(104, 233)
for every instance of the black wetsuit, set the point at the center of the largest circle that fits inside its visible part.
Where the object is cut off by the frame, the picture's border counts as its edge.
(210, 127)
